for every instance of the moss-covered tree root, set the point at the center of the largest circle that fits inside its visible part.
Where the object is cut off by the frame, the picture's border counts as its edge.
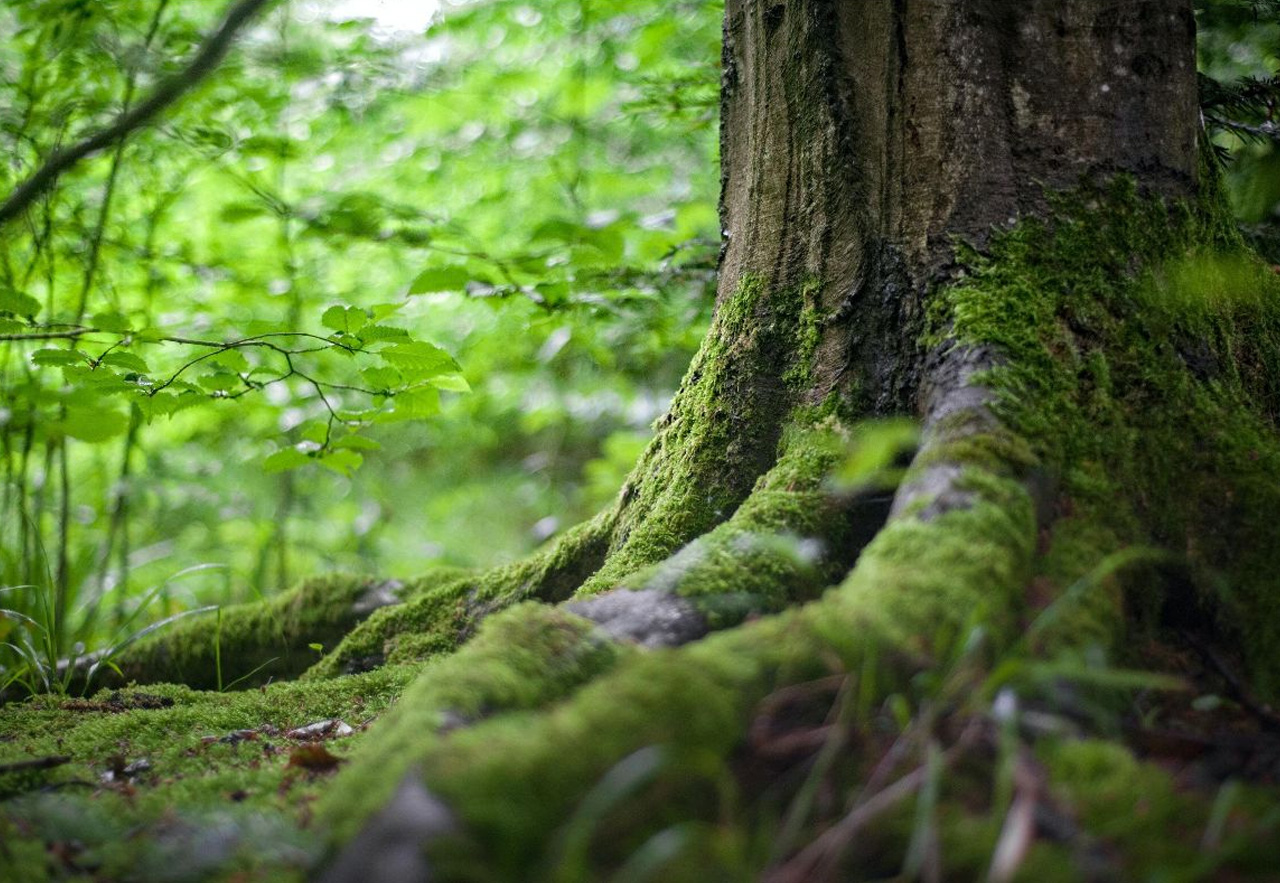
(1043, 518)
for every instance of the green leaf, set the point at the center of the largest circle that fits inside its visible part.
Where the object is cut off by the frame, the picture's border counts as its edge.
(440, 279)
(451, 383)
(58, 357)
(356, 443)
(11, 326)
(347, 320)
(164, 404)
(382, 311)
(419, 360)
(18, 303)
(128, 361)
(558, 230)
(285, 459)
(231, 360)
(383, 333)
(382, 378)
(93, 424)
(417, 404)
(342, 462)
(220, 381)
(150, 335)
(314, 431)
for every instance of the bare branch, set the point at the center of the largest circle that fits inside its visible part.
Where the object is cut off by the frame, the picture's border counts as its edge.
(166, 93)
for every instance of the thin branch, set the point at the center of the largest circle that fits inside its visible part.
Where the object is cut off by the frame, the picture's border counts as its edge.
(166, 93)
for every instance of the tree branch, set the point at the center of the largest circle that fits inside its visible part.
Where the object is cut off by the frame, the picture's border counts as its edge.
(166, 93)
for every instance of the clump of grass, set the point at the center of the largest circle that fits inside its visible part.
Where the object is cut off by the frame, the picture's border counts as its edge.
(34, 654)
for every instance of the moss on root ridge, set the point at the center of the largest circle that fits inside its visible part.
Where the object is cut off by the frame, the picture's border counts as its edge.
(440, 617)
(252, 643)
(1141, 349)
(722, 431)
(512, 783)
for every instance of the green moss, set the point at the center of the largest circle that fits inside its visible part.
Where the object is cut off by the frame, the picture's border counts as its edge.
(249, 644)
(438, 619)
(1141, 353)
(522, 658)
(1149, 828)
(215, 792)
(791, 538)
(917, 592)
(808, 335)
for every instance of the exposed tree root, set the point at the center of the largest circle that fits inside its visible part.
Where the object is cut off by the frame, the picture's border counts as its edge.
(955, 557)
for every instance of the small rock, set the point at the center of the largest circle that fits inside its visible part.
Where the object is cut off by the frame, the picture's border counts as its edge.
(332, 728)
(649, 617)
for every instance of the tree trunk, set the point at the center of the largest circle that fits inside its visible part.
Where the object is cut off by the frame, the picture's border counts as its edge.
(997, 218)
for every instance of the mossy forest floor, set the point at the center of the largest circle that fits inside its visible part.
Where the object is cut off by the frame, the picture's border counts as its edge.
(1052, 661)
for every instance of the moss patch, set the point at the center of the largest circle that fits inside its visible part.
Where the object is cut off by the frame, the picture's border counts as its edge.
(722, 430)
(918, 588)
(179, 784)
(249, 644)
(1142, 351)
(791, 538)
(523, 658)
(438, 619)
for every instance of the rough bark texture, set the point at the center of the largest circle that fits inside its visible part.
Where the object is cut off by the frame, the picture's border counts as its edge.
(992, 216)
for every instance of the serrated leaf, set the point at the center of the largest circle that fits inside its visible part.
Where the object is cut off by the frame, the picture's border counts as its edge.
(128, 361)
(90, 385)
(439, 279)
(417, 404)
(382, 378)
(232, 360)
(356, 443)
(419, 360)
(284, 460)
(347, 320)
(58, 357)
(164, 404)
(383, 334)
(450, 383)
(343, 462)
(18, 303)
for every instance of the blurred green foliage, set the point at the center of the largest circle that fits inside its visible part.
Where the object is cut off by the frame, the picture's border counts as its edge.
(364, 300)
